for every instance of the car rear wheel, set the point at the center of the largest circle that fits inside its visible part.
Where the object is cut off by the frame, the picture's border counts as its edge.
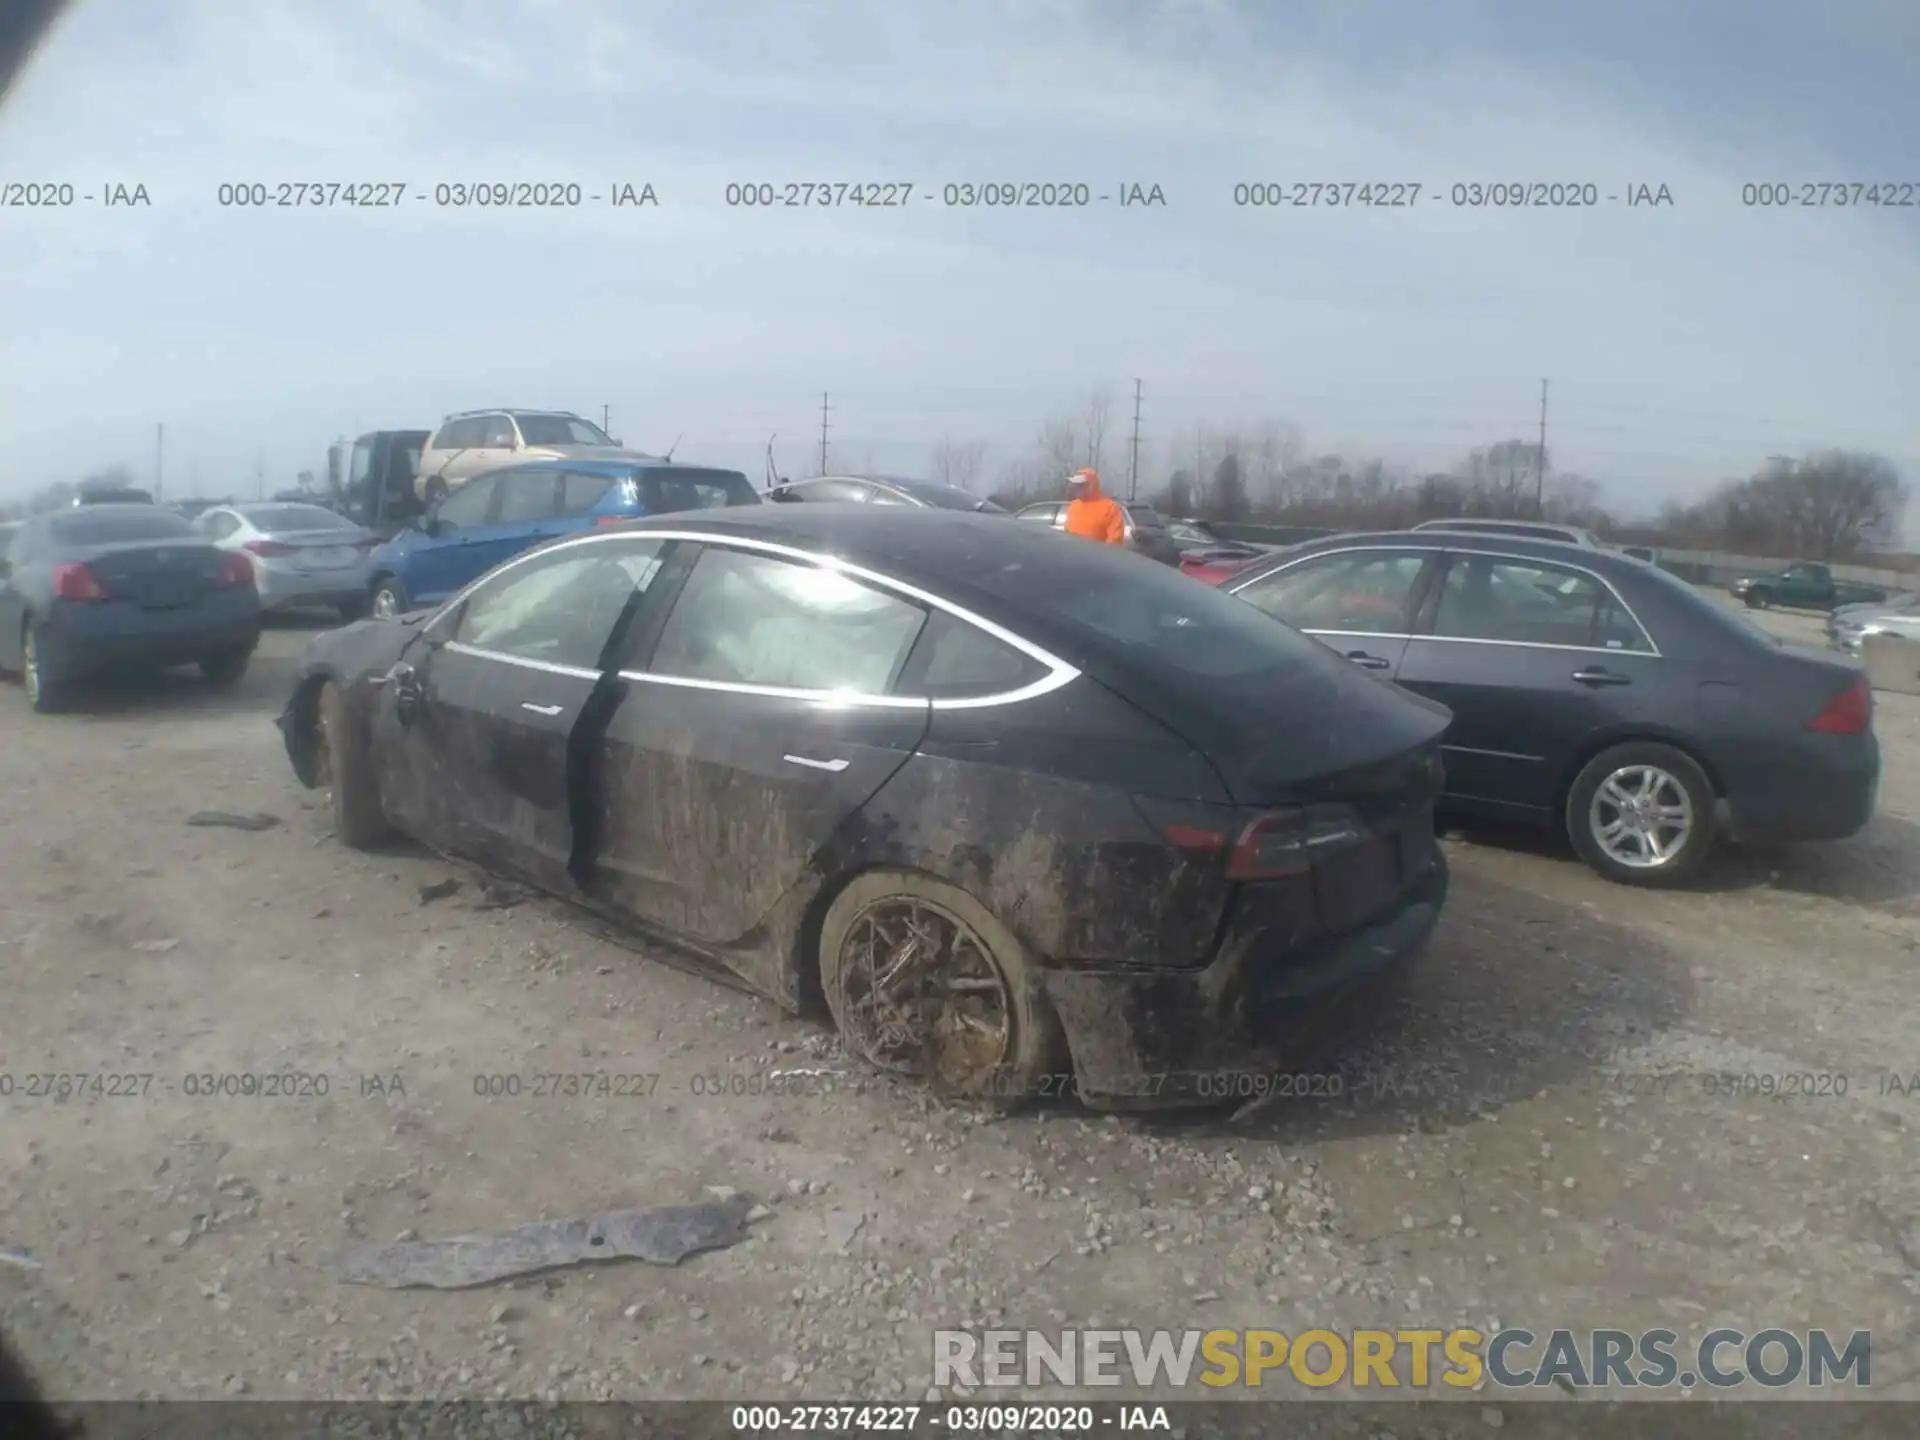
(435, 490)
(41, 671)
(1756, 600)
(343, 764)
(1642, 814)
(225, 667)
(923, 981)
(389, 599)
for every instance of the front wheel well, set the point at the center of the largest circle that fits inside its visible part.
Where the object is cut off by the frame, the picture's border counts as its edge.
(1585, 756)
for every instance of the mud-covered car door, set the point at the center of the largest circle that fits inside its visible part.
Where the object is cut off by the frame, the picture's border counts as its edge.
(480, 723)
(751, 729)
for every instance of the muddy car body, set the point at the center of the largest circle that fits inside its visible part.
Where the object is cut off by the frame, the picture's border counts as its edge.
(1014, 814)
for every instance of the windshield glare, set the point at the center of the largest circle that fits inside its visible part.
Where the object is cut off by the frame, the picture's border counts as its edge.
(560, 430)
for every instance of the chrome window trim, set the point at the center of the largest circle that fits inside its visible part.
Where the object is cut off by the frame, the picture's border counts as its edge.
(1533, 560)
(1059, 672)
(481, 652)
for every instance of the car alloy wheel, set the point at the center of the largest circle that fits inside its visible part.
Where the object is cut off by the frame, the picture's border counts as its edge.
(1641, 817)
(922, 996)
(30, 666)
(386, 603)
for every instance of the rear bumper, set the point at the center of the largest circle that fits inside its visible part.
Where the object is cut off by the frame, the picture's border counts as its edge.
(1161, 1039)
(281, 586)
(1825, 787)
(85, 637)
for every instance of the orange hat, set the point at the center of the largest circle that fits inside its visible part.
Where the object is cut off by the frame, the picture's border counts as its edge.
(1084, 476)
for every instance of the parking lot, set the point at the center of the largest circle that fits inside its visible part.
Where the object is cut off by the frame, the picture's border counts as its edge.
(1579, 1117)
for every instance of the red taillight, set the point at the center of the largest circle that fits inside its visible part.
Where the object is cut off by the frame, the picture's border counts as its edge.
(1287, 842)
(234, 570)
(1848, 713)
(599, 520)
(268, 547)
(77, 582)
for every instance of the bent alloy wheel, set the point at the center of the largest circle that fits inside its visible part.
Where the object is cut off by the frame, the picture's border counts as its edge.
(388, 600)
(1642, 813)
(924, 982)
(46, 690)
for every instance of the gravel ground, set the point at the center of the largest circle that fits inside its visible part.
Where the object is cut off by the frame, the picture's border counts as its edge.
(1498, 1153)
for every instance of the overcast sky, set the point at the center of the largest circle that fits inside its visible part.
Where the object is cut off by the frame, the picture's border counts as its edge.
(1684, 342)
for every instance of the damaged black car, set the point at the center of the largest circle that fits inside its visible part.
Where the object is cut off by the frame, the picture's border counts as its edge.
(1020, 812)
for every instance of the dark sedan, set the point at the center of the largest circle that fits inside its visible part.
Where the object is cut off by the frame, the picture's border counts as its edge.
(1593, 691)
(1016, 810)
(112, 587)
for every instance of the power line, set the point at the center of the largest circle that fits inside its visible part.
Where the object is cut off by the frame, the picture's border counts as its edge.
(1133, 469)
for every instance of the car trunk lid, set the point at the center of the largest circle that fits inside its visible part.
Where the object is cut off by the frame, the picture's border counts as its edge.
(328, 549)
(155, 574)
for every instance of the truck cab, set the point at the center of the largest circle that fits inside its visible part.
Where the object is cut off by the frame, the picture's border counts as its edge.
(381, 491)
(1803, 585)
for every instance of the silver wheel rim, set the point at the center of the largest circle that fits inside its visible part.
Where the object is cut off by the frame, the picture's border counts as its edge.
(384, 606)
(30, 667)
(1641, 816)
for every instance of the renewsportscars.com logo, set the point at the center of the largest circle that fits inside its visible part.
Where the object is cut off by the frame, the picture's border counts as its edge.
(1510, 1359)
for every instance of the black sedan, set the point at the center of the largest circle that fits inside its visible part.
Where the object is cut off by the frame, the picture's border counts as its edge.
(1593, 691)
(114, 587)
(1015, 810)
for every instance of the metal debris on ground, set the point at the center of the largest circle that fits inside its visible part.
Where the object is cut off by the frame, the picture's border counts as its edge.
(155, 947)
(660, 1235)
(227, 820)
(438, 890)
(15, 1256)
(842, 1227)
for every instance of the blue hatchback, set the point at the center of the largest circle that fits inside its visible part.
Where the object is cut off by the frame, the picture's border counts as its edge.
(495, 516)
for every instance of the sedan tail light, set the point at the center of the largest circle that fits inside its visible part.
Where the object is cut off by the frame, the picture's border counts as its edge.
(268, 547)
(1848, 713)
(77, 582)
(1288, 842)
(600, 520)
(234, 570)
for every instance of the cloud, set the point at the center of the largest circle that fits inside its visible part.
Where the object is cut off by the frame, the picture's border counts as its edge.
(1420, 329)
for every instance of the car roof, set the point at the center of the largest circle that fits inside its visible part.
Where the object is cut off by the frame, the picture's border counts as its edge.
(615, 469)
(1533, 547)
(509, 410)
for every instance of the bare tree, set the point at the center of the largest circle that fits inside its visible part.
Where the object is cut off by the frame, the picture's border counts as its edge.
(1099, 409)
(959, 463)
(1059, 448)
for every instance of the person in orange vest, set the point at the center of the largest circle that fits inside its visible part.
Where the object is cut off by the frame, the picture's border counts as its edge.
(1091, 513)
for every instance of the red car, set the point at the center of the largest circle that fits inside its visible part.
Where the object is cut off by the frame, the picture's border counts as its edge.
(1205, 556)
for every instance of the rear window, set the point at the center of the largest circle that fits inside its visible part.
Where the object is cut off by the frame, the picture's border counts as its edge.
(666, 492)
(296, 517)
(1158, 616)
(1735, 621)
(943, 497)
(112, 527)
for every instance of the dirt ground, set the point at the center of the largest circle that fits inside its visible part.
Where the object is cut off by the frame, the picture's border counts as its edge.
(1499, 1153)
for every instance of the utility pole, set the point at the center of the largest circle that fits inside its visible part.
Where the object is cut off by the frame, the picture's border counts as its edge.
(606, 419)
(159, 456)
(823, 432)
(259, 477)
(1540, 460)
(1133, 467)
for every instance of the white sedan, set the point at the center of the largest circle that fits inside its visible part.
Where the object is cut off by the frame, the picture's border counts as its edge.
(302, 555)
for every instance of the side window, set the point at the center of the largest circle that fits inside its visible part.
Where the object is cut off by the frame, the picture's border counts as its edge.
(496, 433)
(842, 491)
(580, 492)
(749, 619)
(953, 660)
(1614, 628)
(1359, 592)
(459, 435)
(559, 609)
(1044, 514)
(878, 496)
(1518, 601)
(468, 505)
(527, 495)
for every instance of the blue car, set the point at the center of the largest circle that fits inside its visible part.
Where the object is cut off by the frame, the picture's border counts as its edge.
(495, 516)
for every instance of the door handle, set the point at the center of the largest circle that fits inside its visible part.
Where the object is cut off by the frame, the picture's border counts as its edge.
(1595, 675)
(1368, 662)
(833, 766)
(548, 710)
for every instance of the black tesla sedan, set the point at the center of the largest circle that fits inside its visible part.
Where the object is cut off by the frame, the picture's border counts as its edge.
(1016, 810)
(1593, 691)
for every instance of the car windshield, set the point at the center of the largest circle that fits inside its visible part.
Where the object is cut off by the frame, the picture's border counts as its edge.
(943, 497)
(295, 517)
(560, 430)
(112, 527)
